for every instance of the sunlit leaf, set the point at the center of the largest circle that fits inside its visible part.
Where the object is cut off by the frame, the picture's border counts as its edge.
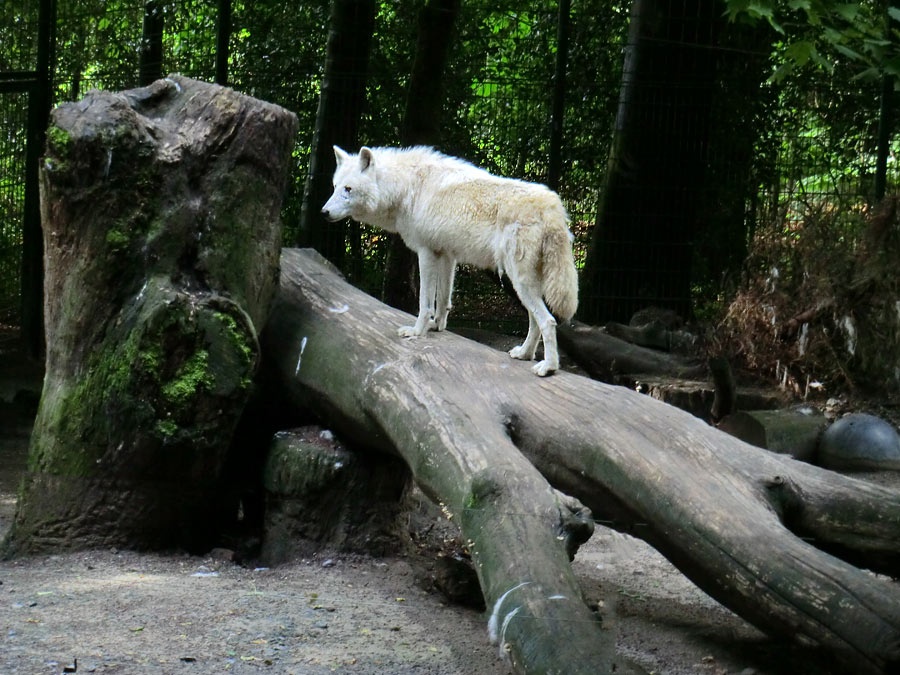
(846, 51)
(848, 11)
(800, 52)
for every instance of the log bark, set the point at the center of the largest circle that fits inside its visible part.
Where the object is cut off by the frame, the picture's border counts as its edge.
(484, 437)
(161, 211)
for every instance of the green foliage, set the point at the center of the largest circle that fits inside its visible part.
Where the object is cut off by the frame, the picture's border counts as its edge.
(826, 33)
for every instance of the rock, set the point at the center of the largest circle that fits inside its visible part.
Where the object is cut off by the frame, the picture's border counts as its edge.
(860, 442)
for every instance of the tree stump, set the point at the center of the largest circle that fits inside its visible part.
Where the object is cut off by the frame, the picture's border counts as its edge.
(160, 208)
(794, 431)
(320, 493)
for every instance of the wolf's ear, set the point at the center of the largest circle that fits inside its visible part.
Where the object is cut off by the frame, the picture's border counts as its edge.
(339, 155)
(366, 158)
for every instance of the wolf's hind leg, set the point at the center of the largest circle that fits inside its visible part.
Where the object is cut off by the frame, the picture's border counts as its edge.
(445, 271)
(528, 349)
(428, 267)
(538, 314)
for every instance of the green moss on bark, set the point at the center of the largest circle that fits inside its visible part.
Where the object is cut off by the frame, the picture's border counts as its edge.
(190, 379)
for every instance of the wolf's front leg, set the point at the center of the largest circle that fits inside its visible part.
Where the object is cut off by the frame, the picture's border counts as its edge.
(445, 270)
(427, 284)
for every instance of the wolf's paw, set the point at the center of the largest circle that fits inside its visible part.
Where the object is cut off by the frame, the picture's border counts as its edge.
(543, 368)
(522, 353)
(408, 331)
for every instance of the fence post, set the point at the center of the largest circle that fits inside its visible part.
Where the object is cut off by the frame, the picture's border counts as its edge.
(223, 35)
(150, 68)
(884, 135)
(554, 170)
(39, 101)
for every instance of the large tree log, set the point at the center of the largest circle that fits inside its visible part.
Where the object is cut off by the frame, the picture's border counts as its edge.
(473, 426)
(160, 209)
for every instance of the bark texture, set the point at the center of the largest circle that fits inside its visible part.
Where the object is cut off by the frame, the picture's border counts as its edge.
(160, 209)
(484, 437)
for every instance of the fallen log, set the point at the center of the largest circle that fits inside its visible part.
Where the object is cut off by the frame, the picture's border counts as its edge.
(607, 358)
(654, 335)
(476, 428)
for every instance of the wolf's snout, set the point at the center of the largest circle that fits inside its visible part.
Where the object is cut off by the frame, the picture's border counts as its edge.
(327, 215)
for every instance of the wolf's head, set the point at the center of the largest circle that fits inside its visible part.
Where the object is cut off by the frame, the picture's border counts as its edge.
(355, 188)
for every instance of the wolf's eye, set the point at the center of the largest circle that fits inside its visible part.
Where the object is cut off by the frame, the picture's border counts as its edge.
(347, 189)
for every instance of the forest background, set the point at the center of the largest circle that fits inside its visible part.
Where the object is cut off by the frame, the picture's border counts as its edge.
(723, 159)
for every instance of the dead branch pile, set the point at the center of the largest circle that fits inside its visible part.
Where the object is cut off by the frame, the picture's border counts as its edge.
(819, 308)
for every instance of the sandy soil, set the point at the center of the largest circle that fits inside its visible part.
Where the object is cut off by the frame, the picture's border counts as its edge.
(124, 612)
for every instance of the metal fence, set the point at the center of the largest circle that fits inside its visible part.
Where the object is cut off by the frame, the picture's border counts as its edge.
(14, 111)
(783, 143)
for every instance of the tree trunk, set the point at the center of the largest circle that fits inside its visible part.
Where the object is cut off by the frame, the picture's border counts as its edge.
(421, 126)
(150, 66)
(460, 454)
(341, 100)
(161, 230)
(474, 425)
(40, 100)
(672, 212)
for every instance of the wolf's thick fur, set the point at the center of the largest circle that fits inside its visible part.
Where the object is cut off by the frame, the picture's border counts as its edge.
(449, 211)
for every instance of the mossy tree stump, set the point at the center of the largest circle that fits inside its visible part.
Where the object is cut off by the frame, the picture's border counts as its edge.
(160, 208)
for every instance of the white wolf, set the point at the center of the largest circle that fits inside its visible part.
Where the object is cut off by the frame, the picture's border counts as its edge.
(449, 211)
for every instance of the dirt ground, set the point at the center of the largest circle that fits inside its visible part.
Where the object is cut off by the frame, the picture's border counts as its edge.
(125, 612)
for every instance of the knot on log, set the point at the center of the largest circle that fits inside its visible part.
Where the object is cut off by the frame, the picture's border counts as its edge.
(576, 523)
(484, 489)
(785, 497)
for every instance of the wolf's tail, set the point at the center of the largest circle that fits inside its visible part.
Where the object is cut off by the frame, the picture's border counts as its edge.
(559, 279)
